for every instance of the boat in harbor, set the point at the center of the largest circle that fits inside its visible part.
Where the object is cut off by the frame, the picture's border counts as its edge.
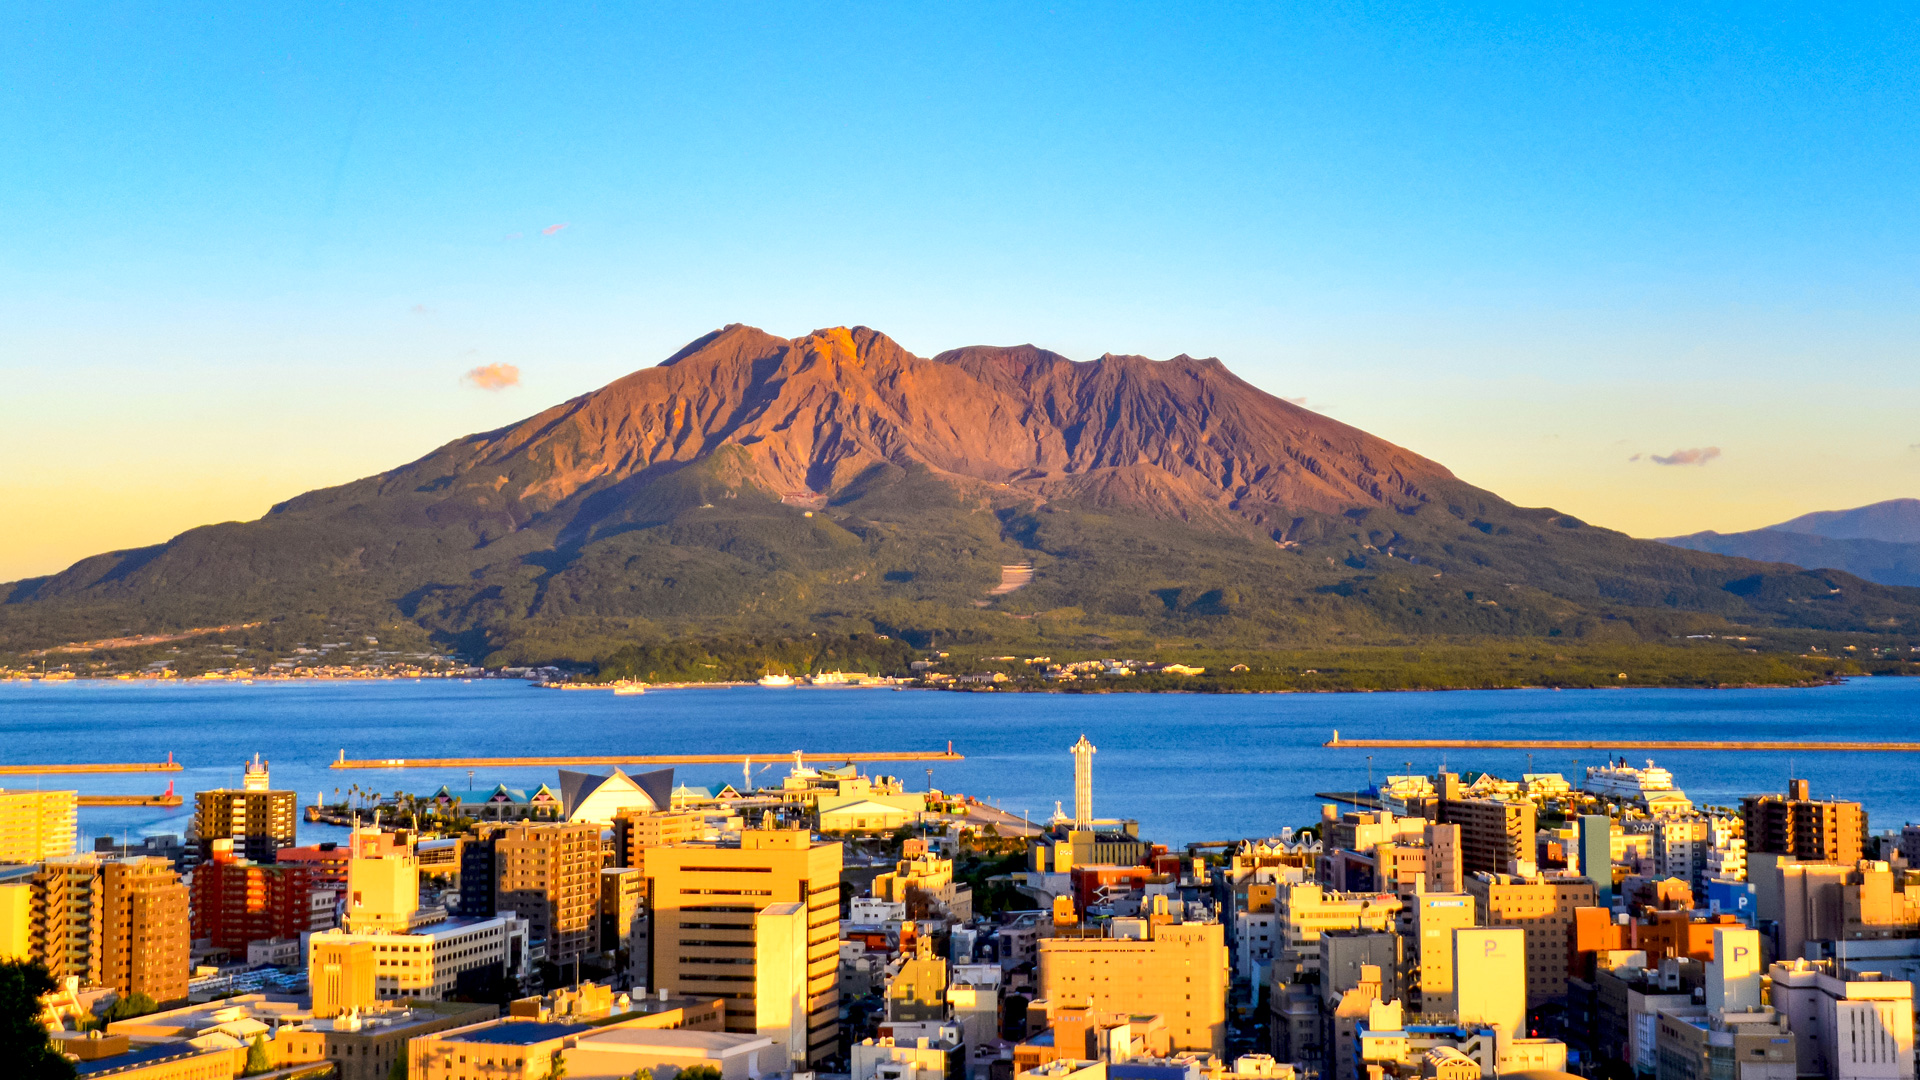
(776, 680)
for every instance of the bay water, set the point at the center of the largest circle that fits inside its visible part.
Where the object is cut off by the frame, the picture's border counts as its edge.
(1187, 766)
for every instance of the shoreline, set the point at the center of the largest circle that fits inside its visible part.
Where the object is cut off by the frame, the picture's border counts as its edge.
(1115, 687)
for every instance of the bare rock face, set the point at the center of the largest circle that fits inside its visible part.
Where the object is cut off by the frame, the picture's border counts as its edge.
(804, 417)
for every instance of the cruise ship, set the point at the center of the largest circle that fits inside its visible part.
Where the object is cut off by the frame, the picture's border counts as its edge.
(1619, 780)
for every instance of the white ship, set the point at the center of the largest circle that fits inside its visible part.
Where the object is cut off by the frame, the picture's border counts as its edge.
(629, 688)
(1619, 780)
(776, 680)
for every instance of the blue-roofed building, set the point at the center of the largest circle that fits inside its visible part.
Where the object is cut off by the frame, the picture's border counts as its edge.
(112, 1057)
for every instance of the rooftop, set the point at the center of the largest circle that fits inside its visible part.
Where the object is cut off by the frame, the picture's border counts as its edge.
(518, 1033)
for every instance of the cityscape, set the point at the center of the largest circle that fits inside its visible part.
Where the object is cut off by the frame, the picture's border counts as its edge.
(834, 923)
(990, 541)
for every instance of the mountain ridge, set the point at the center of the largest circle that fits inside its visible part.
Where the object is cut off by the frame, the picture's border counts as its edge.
(1879, 542)
(837, 482)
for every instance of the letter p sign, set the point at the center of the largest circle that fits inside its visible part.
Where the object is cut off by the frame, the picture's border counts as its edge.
(1490, 948)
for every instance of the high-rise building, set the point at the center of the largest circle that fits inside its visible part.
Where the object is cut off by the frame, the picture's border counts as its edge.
(1145, 967)
(237, 902)
(258, 820)
(634, 831)
(719, 909)
(16, 919)
(36, 825)
(623, 909)
(548, 873)
(1494, 834)
(1830, 831)
(1542, 907)
(1490, 982)
(1596, 856)
(119, 922)
(1427, 927)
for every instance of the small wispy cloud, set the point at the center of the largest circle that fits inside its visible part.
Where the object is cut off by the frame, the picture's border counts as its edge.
(1698, 455)
(1913, 446)
(421, 309)
(1300, 401)
(515, 235)
(551, 229)
(492, 377)
(1635, 457)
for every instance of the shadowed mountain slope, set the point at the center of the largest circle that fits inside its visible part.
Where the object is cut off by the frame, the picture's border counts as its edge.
(751, 483)
(1880, 542)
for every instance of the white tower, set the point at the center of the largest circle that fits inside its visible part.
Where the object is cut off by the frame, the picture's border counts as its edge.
(254, 777)
(1083, 752)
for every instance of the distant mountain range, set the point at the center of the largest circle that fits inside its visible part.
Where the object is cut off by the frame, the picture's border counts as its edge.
(752, 484)
(1880, 542)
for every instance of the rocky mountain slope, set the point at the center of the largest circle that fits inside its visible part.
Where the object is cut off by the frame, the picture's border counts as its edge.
(757, 484)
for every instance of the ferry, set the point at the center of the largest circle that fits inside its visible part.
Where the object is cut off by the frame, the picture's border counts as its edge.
(628, 688)
(776, 680)
(1619, 780)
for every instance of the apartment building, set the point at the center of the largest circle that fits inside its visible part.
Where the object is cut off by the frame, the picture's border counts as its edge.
(549, 875)
(36, 825)
(119, 922)
(1831, 830)
(1145, 967)
(259, 823)
(237, 902)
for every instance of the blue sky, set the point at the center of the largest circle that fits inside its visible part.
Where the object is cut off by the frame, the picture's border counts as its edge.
(250, 253)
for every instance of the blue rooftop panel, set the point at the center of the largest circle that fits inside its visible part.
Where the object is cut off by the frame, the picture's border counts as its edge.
(520, 1033)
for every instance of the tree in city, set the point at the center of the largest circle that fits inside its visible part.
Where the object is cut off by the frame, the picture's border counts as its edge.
(23, 1039)
(698, 1072)
(398, 1071)
(128, 1006)
(258, 1060)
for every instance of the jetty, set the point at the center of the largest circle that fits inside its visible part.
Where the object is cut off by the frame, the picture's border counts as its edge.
(166, 799)
(168, 765)
(1617, 743)
(344, 762)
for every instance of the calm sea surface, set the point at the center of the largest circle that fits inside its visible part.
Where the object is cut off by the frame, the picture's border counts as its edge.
(1189, 767)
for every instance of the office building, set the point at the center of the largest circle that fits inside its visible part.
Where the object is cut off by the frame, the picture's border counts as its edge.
(1145, 967)
(1830, 831)
(259, 820)
(755, 922)
(1303, 912)
(237, 902)
(1426, 928)
(1490, 981)
(36, 825)
(392, 950)
(1847, 1025)
(1543, 906)
(119, 922)
(549, 875)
